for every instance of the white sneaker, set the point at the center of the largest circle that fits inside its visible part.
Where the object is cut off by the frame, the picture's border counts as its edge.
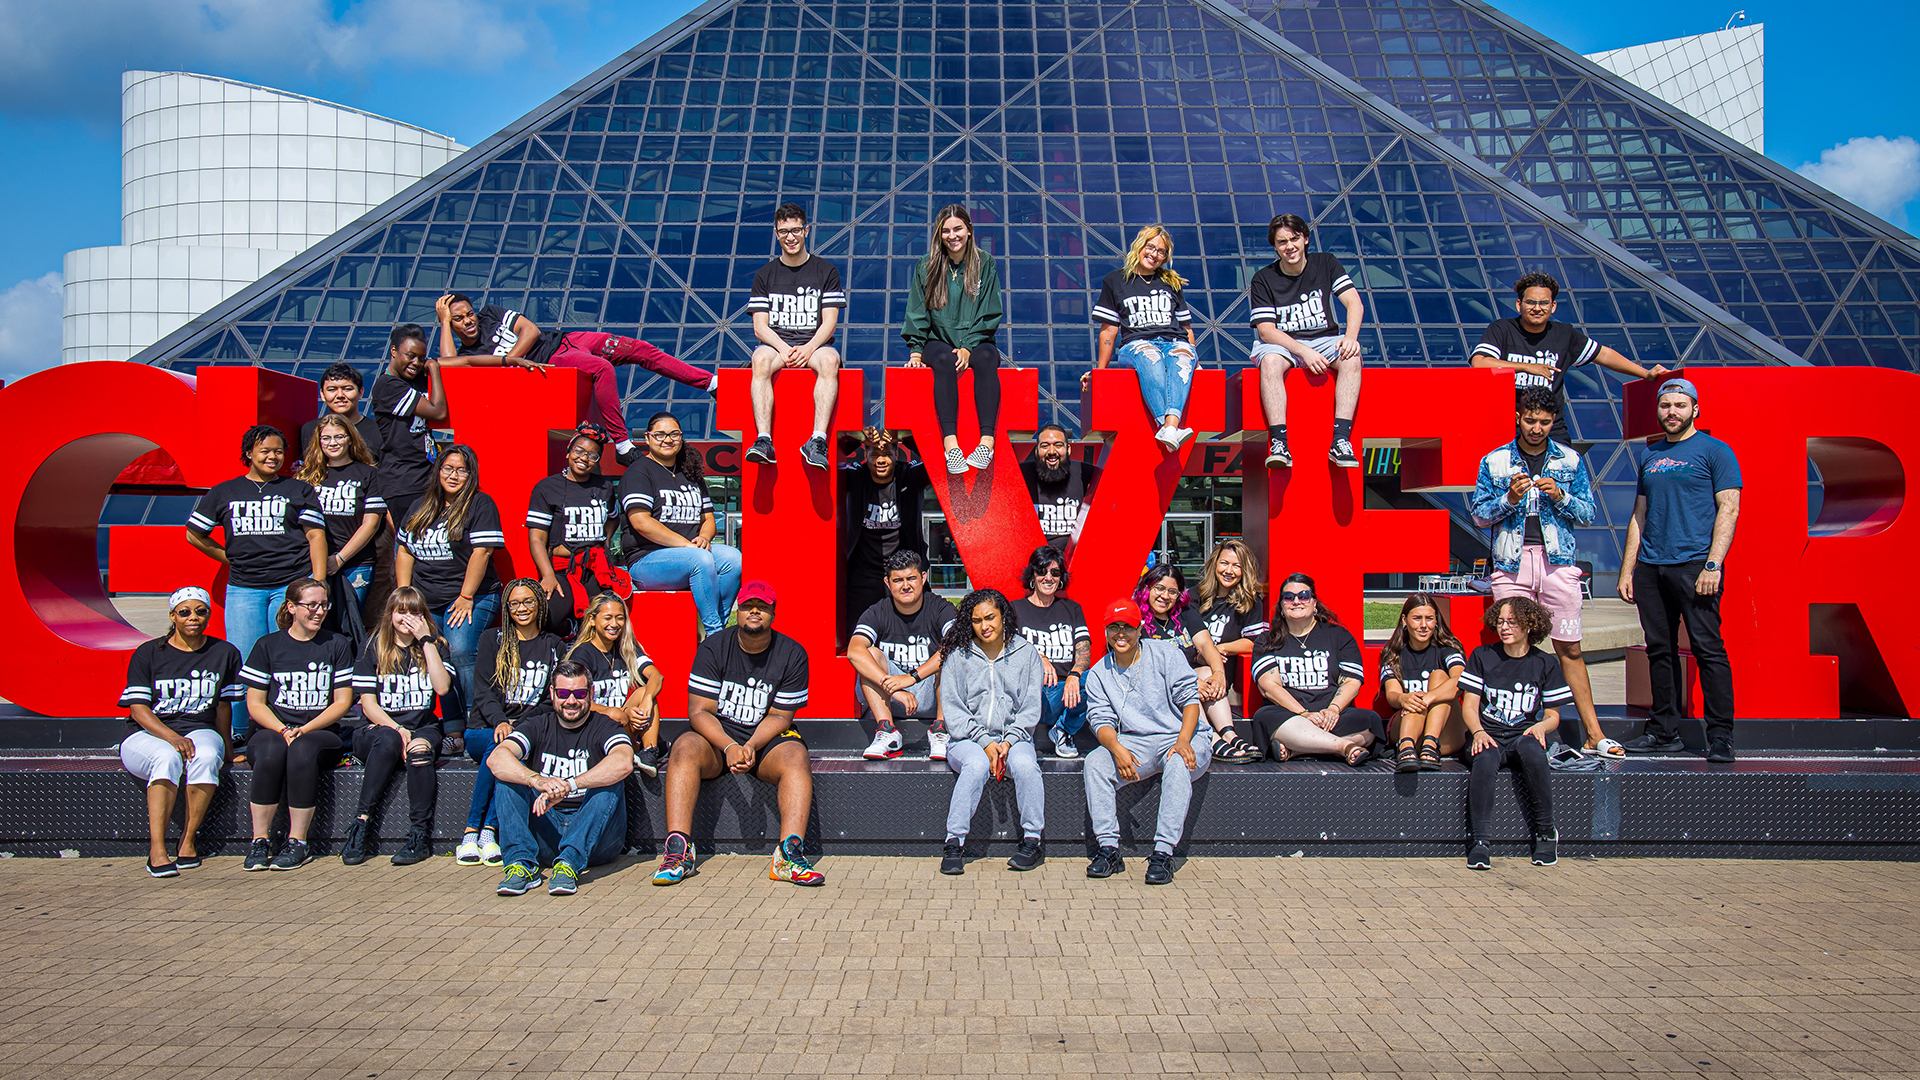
(886, 744)
(981, 457)
(1180, 437)
(936, 746)
(1063, 745)
(468, 853)
(490, 853)
(1166, 438)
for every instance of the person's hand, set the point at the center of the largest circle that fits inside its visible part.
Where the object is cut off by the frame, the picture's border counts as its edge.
(1211, 689)
(1708, 583)
(639, 717)
(289, 733)
(1124, 764)
(181, 745)
(443, 309)
(523, 362)
(1070, 695)
(798, 356)
(1656, 371)
(907, 700)
(460, 612)
(1086, 381)
(961, 358)
(1349, 348)
(1517, 486)
(1048, 676)
(997, 760)
(1325, 719)
(704, 543)
(893, 684)
(1184, 749)
(550, 585)
(1482, 741)
(500, 732)
(1413, 701)
(415, 627)
(1548, 489)
(1625, 586)
(1313, 361)
(739, 757)
(913, 360)
(333, 565)
(1539, 732)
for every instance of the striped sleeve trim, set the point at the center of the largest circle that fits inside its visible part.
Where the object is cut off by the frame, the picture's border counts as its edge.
(1184, 315)
(487, 539)
(1106, 315)
(366, 683)
(519, 739)
(1081, 633)
(343, 676)
(833, 299)
(862, 630)
(1264, 664)
(233, 691)
(538, 520)
(790, 701)
(1470, 681)
(404, 407)
(617, 739)
(637, 500)
(313, 518)
(1559, 695)
(1488, 349)
(706, 504)
(758, 303)
(1343, 283)
(703, 686)
(253, 676)
(1588, 354)
(1452, 659)
(1386, 671)
(375, 504)
(1260, 315)
(136, 695)
(200, 522)
(1354, 670)
(1254, 630)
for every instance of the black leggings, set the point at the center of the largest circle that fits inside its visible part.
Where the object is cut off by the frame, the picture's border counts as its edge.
(1528, 758)
(380, 750)
(294, 770)
(984, 362)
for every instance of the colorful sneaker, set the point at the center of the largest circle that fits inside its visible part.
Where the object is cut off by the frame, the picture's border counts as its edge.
(294, 856)
(490, 852)
(1278, 456)
(518, 880)
(565, 881)
(937, 746)
(814, 452)
(675, 865)
(1341, 454)
(259, 855)
(886, 744)
(790, 864)
(761, 450)
(468, 853)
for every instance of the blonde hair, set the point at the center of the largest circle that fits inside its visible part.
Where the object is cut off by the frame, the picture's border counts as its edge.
(629, 650)
(1165, 273)
(313, 465)
(1246, 593)
(393, 658)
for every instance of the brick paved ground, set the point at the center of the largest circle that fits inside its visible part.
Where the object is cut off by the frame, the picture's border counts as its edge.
(1316, 967)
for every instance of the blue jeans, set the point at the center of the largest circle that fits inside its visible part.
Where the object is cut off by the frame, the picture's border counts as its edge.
(482, 810)
(250, 617)
(358, 579)
(590, 835)
(1165, 369)
(462, 642)
(713, 577)
(1054, 712)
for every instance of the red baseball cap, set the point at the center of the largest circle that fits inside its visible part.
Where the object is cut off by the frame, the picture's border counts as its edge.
(1123, 610)
(756, 590)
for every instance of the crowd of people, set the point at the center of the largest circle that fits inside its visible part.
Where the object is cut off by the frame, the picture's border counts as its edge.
(364, 616)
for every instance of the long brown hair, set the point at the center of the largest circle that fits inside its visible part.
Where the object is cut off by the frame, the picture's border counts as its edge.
(1246, 593)
(506, 664)
(1277, 636)
(1442, 634)
(933, 269)
(393, 658)
(313, 463)
(436, 504)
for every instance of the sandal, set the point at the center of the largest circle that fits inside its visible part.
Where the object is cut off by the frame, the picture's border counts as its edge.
(1608, 749)
(1231, 749)
(1408, 757)
(1430, 760)
(1280, 752)
(1355, 755)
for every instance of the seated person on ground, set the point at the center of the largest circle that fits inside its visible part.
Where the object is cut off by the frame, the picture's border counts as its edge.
(400, 675)
(796, 303)
(1057, 627)
(1420, 678)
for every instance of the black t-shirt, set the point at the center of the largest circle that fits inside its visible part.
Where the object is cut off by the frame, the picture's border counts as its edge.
(1180, 629)
(1515, 691)
(496, 704)
(1311, 667)
(612, 685)
(792, 297)
(407, 451)
(746, 685)
(550, 748)
(1536, 464)
(182, 688)
(908, 640)
(440, 559)
(1225, 623)
(674, 501)
(1142, 307)
(497, 336)
(1418, 665)
(880, 519)
(1059, 503)
(1302, 305)
(1561, 346)
(266, 528)
(572, 512)
(348, 494)
(299, 676)
(366, 424)
(406, 695)
(1055, 630)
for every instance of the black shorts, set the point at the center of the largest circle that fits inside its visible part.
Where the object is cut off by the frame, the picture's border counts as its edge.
(741, 735)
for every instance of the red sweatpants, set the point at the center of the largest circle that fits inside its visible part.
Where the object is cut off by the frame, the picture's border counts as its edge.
(594, 355)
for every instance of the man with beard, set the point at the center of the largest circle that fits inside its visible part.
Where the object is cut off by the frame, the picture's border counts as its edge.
(1060, 486)
(880, 514)
(1682, 526)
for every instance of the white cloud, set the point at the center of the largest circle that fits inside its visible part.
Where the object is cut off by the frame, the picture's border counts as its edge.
(30, 326)
(1878, 174)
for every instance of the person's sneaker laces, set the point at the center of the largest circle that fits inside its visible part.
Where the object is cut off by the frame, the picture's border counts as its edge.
(790, 864)
(676, 862)
(1029, 855)
(953, 857)
(565, 880)
(418, 848)
(761, 450)
(956, 461)
(1546, 850)
(886, 744)
(1720, 751)
(259, 855)
(1480, 855)
(294, 856)
(1653, 744)
(468, 853)
(518, 880)
(1063, 745)
(1341, 454)
(356, 849)
(814, 452)
(937, 746)
(981, 457)
(1105, 863)
(1278, 456)
(1160, 868)
(646, 760)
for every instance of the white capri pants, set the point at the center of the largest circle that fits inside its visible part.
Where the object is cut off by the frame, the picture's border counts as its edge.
(152, 758)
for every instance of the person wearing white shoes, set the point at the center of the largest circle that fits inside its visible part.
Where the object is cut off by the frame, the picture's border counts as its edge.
(953, 311)
(895, 657)
(1143, 308)
(1059, 485)
(990, 696)
(1293, 302)
(796, 303)
(1058, 628)
(1144, 704)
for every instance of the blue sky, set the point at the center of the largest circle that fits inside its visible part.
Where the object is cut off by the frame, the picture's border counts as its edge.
(468, 67)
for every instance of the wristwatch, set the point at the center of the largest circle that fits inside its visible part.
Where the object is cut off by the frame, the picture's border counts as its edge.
(573, 786)
(1711, 567)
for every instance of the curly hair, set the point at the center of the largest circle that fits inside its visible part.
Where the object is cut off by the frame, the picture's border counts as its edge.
(1442, 634)
(1536, 280)
(1042, 557)
(960, 634)
(1533, 618)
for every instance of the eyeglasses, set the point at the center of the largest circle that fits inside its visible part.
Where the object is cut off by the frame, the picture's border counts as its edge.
(515, 605)
(1049, 572)
(664, 436)
(1536, 303)
(1506, 622)
(316, 605)
(586, 453)
(455, 470)
(1295, 597)
(564, 694)
(790, 232)
(1164, 590)
(1157, 250)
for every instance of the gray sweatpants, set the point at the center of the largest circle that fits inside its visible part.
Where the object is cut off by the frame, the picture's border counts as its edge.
(1149, 756)
(966, 758)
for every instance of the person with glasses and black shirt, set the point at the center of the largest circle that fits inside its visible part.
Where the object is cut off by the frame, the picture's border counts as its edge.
(340, 470)
(446, 551)
(1309, 667)
(340, 387)
(1510, 697)
(567, 530)
(1057, 627)
(796, 303)
(668, 525)
(516, 664)
(880, 501)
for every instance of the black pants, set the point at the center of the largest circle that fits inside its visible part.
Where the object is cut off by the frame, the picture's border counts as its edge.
(1529, 758)
(1353, 720)
(294, 770)
(1665, 595)
(381, 751)
(984, 362)
(865, 586)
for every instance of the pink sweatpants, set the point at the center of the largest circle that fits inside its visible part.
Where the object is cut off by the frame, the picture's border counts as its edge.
(594, 355)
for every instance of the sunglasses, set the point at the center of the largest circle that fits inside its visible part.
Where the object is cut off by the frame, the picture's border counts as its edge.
(564, 694)
(1295, 597)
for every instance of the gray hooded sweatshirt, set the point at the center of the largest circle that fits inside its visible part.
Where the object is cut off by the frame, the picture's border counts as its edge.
(988, 701)
(1145, 698)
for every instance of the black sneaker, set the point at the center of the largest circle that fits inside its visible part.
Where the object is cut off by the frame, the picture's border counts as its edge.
(646, 760)
(1160, 868)
(814, 452)
(259, 855)
(1278, 456)
(1341, 454)
(761, 450)
(294, 856)
(953, 857)
(1720, 751)
(628, 456)
(356, 850)
(1650, 743)
(1029, 855)
(1480, 855)
(1546, 850)
(1106, 863)
(418, 848)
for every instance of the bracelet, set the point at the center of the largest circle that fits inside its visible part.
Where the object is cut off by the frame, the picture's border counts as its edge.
(467, 598)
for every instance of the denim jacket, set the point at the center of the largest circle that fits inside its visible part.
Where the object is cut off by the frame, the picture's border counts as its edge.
(1509, 521)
